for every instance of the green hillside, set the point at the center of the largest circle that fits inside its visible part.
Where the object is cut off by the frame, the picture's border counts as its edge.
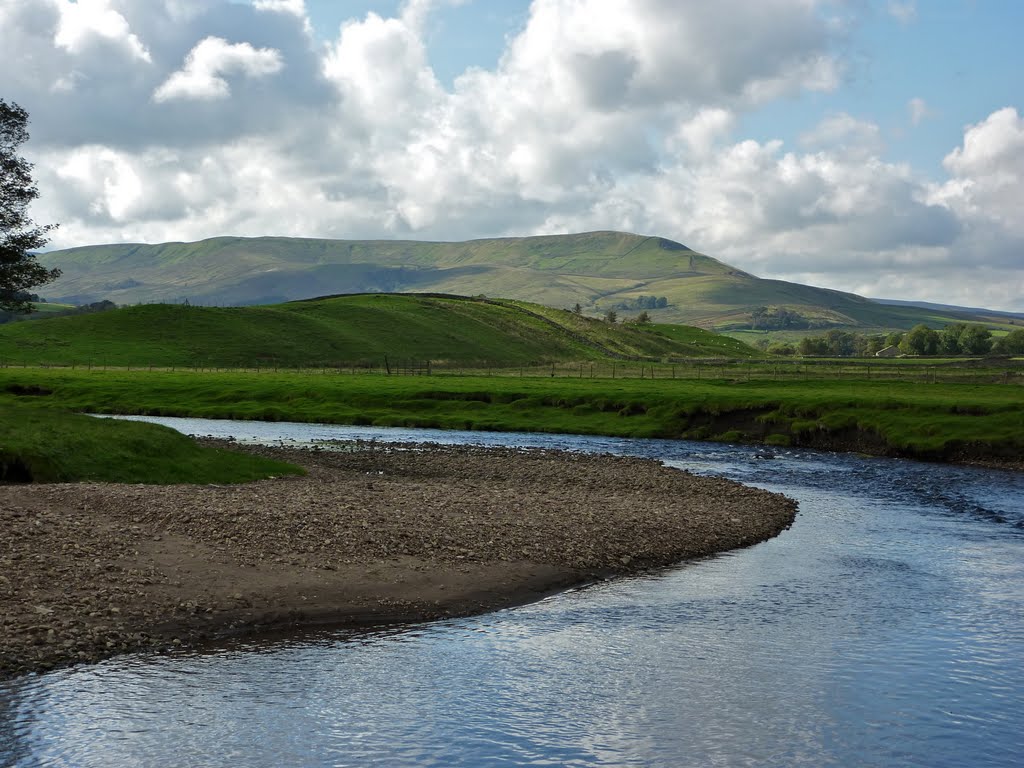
(349, 330)
(598, 270)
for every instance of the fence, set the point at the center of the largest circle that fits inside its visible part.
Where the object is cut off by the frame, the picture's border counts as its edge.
(997, 371)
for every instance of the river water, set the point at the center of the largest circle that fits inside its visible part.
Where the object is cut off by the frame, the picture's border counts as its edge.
(885, 628)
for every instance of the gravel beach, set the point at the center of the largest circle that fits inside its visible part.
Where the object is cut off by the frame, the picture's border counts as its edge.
(373, 534)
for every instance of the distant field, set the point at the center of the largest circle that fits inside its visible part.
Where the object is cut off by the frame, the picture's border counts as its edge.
(46, 308)
(39, 310)
(896, 417)
(361, 330)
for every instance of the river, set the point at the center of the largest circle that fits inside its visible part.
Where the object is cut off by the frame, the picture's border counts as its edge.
(885, 628)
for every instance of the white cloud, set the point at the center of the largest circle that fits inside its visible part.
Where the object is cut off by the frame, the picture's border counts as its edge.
(613, 54)
(995, 146)
(919, 110)
(988, 173)
(294, 7)
(847, 133)
(380, 68)
(701, 134)
(82, 22)
(905, 12)
(202, 77)
(107, 179)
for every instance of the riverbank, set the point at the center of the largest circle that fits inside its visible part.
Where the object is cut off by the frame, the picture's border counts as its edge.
(373, 534)
(951, 422)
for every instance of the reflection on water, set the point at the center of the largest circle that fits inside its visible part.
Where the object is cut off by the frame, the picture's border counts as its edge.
(885, 628)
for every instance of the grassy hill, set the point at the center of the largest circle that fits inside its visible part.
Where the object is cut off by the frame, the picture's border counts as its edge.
(598, 270)
(349, 330)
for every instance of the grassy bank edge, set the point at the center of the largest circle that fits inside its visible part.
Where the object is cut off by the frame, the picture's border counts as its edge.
(44, 445)
(943, 422)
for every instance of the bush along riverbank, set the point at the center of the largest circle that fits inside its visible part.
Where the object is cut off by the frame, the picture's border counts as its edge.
(370, 535)
(981, 423)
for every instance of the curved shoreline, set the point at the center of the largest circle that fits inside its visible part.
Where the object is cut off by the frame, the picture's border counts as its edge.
(373, 535)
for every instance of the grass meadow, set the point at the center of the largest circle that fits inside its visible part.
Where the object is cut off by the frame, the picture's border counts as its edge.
(929, 420)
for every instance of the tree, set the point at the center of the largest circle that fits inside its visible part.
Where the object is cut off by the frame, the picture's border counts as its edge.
(19, 235)
(894, 339)
(874, 344)
(611, 316)
(643, 317)
(921, 340)
(1010, 344)
(964, 339)
(813, 346)
(949, 338)
(975, 340)
(781, 348)
(577, 310)
(840, 343)
(777, 318)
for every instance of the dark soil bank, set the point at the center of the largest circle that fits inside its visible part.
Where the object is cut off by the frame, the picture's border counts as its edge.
(746, 426)
(373, 534)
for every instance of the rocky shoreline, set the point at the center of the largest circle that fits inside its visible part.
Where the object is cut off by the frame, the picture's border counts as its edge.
(373, 534)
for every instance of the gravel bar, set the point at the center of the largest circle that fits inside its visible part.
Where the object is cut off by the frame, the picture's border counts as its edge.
(375, 533)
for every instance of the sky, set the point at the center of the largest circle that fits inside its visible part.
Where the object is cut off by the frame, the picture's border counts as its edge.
(872, 146)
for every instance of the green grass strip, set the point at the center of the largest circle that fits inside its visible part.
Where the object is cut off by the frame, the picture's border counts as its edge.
(910, 417)
(44, 445)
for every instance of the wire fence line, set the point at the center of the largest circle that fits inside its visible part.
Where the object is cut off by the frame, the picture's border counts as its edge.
(1003, 372)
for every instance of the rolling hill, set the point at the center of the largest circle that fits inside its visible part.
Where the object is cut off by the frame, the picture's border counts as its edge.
(598, 270)
(359, 329)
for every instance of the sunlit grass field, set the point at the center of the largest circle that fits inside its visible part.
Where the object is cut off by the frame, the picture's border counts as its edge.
(912, 418)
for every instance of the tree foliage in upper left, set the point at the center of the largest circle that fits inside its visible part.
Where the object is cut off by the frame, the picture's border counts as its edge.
(19, 235)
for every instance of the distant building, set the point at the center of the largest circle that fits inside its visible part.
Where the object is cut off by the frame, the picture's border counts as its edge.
(890, 351)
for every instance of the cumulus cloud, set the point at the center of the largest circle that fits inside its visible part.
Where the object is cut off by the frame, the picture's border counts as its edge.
(987, 170)
(847, 133)
(202, 77)
(986, 190)
(294, 7)
(603, 55)
(701, 134)
(98, 94)
(993, 148)
(86, 21)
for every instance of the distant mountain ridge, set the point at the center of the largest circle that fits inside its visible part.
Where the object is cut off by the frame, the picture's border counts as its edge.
(601, 271)
(981, 311)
